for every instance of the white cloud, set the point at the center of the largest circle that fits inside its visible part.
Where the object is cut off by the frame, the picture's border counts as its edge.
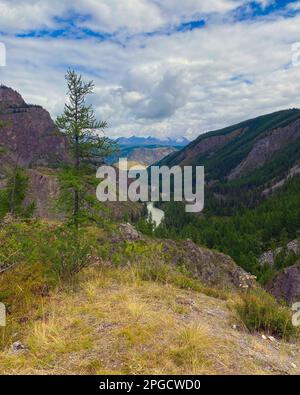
(151, 93)
(265, 3)
(295, 6)
(112, 15)
(19, 15)
(109, 16)
(184, 83)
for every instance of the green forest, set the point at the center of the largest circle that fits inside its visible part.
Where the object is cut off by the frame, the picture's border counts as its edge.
(246, 234)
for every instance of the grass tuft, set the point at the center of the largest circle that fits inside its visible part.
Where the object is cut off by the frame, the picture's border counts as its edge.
(260, 312)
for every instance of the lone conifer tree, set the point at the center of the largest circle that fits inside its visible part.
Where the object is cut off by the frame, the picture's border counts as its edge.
(81, 127)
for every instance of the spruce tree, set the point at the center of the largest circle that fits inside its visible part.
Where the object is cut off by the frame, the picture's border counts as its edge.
(82, 129)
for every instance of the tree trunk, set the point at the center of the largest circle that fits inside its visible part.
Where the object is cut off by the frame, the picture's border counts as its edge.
(77, 166)
(13, 191)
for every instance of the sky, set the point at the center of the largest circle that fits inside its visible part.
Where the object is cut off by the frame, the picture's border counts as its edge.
(165, 68)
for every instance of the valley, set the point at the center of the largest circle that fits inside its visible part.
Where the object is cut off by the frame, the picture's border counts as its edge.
(149, 194)
(251, 194)
(168, 292)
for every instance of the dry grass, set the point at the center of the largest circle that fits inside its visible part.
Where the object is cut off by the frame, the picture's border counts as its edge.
(113, 322)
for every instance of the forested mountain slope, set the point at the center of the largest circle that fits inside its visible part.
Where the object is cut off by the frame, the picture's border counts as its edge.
(252, 190)
(238, 150)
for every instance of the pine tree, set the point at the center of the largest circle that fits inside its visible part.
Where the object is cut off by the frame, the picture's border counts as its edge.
(83, 130)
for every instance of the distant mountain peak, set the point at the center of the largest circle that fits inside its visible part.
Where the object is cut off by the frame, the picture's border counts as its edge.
(146, 141)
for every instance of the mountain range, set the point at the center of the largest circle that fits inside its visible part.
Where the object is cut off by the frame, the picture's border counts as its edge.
(242, 149)
(256, 156)
(146, 141)
(147, 150)
(252, 196)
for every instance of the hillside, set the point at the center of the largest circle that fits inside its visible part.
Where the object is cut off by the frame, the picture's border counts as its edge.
(145, 154)
(247, 161)
(30, 141)
(252, 191)
(133, 310)
(120, 326)
(241, 149)
(148, 155)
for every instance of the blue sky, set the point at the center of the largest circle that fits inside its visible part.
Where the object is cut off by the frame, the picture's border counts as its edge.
(161, 67)
(73, 24)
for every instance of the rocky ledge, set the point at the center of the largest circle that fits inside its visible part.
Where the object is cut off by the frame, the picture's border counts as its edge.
(210, 267)
(28, 134)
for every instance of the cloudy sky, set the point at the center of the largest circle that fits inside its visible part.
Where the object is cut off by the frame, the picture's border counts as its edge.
(161, 67)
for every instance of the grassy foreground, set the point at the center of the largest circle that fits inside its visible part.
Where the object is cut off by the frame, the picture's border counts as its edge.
(126, 319)
(110, 322)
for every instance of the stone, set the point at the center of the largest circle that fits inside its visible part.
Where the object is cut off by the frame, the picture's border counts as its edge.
(18, 347)
(129, 233)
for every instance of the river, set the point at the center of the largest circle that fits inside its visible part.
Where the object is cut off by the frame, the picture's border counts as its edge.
(157, 214)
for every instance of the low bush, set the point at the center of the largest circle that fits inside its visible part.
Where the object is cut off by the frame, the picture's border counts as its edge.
(68, 252)
(259, 312)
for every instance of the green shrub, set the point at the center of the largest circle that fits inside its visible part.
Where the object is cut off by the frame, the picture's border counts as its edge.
(62, 249)
(69, 251)
(259, 311)
(12, 197)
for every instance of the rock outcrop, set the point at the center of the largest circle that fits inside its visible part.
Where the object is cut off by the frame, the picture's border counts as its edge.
(129, 233)
(29, 135)
(286, 284)
(210, 267)
(269, 257)
(43, 190)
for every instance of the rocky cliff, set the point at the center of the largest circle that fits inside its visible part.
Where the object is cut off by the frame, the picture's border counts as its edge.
(286, 284)
(29, 136)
